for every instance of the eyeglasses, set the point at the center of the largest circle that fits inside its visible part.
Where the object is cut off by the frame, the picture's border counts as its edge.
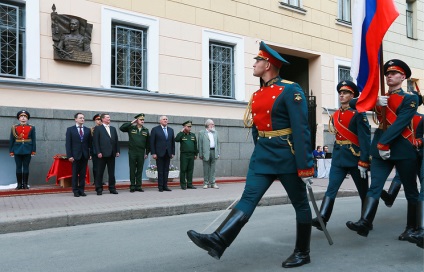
(97, 119)
(188, 126)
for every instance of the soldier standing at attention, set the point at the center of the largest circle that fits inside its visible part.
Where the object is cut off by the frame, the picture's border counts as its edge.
(22, 147)
(350, 152)
(393, 147)
(94, 159)
(139, 148)
(278, 116)
(188, 153)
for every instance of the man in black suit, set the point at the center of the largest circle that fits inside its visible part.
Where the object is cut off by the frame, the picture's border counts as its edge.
(78, 143)
(107, 147)
(162, 148)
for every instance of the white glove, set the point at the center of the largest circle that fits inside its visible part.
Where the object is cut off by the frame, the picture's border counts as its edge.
(384, 154)
(307, 181)
(382, 101)
(363, 171)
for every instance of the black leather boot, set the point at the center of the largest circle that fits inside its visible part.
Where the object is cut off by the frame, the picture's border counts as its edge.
(216, 242)
(25, 181)
(418, 236)
(391, 194)
(411, 221)
(19, 181)
(325, 211)
(364, 225)
(300, 255)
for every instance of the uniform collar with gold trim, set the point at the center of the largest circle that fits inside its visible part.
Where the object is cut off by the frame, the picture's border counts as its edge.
(272, 81)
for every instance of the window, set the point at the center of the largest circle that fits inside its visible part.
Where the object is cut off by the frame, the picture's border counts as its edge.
(410, 85)
(294, 3)
(12, 40)
(341, 72)
(411, 19)
(221, 70)
(132, 23)
(344, 11)
(129, 57)
(409, 23)
(344, 73)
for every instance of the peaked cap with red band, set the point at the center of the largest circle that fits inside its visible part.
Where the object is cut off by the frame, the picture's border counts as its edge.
(269, 54)
(349, 86)
(397, 66)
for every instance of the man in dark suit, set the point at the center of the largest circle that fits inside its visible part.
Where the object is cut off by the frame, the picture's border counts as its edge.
(78, 142)
(162, 148)
(107, 148)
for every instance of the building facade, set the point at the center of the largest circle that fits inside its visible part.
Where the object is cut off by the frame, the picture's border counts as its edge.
(187, 59)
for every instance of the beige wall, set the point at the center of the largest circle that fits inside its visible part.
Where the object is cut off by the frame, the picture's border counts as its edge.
(314, 35)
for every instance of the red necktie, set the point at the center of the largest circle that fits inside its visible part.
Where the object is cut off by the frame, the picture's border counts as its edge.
(80, 132)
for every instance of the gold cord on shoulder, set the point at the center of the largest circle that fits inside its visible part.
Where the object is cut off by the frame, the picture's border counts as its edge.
(331, 128)
(375, 115)
(14, 132)
(248, 118)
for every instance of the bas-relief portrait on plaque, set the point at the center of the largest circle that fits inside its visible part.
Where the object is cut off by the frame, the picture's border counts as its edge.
(71, 38)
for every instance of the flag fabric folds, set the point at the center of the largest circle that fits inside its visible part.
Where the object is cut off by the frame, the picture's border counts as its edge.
(370, 21)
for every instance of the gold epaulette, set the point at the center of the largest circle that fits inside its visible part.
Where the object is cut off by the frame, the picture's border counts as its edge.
(287, 81)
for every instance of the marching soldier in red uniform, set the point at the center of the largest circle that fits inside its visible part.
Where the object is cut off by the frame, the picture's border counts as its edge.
(22, 146)
(278, 115)
(351, 149)
(395, 146)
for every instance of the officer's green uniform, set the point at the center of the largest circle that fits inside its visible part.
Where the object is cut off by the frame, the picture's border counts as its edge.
(138, 147)
(188, 150)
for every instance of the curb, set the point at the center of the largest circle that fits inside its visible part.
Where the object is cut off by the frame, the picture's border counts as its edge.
(83, 218)
(56, 189)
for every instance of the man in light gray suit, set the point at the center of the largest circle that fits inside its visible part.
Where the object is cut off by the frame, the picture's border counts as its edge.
(209, 151)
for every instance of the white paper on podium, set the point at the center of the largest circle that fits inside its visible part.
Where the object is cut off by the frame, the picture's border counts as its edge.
(324, 166)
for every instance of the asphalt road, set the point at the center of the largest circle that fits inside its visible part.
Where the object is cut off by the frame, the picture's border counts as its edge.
(161, 244)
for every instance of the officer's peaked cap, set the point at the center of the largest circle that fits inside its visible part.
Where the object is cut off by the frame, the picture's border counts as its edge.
(347, 85)
(269, 54)
(397, 66)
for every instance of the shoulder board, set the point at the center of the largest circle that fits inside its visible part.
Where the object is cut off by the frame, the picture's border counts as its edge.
(287, 81)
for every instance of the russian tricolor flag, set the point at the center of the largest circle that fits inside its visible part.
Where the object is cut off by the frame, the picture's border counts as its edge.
(370, 21)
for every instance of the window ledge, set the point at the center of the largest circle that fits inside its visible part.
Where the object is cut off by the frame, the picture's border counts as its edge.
(292, 8)
(117, 92)
(344, 23)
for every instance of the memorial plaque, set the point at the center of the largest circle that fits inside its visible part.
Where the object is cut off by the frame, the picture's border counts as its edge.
(71, 38)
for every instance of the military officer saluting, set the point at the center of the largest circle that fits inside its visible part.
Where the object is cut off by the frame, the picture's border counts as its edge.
(138, 149)
(393, 147)
(351, 149)
(22, 145)
(188, 153)
(278, 116)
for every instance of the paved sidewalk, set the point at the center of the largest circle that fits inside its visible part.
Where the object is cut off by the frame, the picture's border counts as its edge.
(41, 211)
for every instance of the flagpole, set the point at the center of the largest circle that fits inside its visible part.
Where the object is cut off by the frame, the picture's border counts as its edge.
(382, 87)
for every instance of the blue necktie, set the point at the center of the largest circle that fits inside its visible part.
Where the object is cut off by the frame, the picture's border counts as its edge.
(166, 132)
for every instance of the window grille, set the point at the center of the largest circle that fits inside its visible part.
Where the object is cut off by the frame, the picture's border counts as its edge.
(129, 59)
(344, 73)
(12, 40)
(345, 11)
(221, 70)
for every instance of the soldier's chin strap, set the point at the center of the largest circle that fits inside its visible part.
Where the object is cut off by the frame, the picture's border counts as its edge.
(308, 182)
